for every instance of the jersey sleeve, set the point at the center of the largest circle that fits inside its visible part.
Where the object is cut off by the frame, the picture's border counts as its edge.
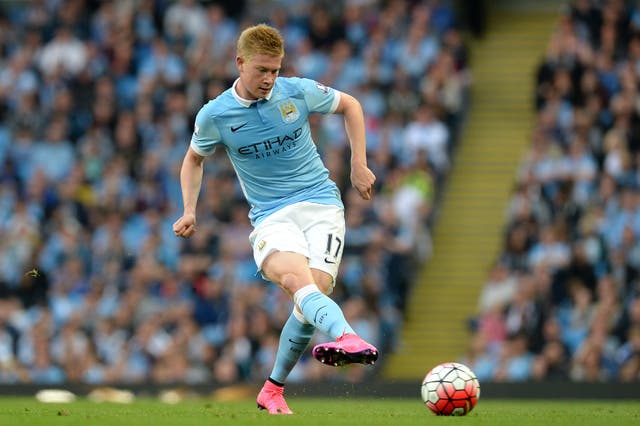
(206, 135)
(318, 97)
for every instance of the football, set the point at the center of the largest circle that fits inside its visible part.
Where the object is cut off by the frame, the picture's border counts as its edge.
(450, 389)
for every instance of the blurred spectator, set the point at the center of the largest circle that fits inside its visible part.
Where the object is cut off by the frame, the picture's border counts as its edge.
(64, 54)
(551, 251)
(628, 356)
(427, 133)
(515, 362)
(553, 360)
(498, 290)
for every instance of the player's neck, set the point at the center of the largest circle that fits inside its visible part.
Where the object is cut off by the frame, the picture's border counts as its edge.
(242, 92)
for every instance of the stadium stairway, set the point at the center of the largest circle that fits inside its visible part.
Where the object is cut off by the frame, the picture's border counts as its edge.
(469, 225)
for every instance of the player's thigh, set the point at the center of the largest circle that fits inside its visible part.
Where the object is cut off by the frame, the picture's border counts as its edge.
(287, 269)
(277, 234)
(325, 236)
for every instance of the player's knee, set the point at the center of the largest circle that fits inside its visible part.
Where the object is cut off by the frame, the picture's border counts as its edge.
(323, 280)
(325, 286)
(291, 282)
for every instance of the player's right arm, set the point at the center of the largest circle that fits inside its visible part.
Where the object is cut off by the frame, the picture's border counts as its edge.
(203, 142)
(190, 183)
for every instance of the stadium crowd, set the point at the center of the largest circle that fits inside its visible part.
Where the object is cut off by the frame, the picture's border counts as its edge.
(562, 301)
(97, 102)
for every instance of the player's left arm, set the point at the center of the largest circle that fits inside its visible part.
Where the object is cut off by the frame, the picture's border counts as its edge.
(362, 178)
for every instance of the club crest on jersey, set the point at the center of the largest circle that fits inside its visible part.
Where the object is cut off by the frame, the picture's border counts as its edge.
(289, 111)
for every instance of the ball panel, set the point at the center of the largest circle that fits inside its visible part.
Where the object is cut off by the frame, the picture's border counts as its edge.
(460, 383)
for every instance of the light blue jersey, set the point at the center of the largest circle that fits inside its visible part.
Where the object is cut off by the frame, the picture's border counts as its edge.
(269, 143)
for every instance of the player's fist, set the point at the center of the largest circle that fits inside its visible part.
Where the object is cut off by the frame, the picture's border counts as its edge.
(185, 226)
(362, 179)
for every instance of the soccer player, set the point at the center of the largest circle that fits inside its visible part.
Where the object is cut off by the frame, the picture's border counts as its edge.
(296, 210)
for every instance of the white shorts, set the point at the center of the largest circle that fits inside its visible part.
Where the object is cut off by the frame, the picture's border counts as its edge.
(313, 230)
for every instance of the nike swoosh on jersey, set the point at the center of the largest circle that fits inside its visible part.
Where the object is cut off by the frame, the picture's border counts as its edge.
(235, 129)
(327, 260)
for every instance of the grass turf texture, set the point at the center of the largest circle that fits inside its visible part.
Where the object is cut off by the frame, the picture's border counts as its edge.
(18, 411)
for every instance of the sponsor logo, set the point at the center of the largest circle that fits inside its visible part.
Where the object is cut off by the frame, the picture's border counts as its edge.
(261, 245)
(236, 128)
(272, 146)
(329, 260)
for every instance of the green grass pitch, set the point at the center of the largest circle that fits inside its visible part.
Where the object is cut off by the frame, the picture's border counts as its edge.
(18, 411)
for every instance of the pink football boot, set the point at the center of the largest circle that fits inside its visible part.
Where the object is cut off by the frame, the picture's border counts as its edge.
(270, 398)
(347, 349)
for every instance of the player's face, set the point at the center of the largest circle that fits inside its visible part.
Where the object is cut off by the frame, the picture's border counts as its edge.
(257, 75)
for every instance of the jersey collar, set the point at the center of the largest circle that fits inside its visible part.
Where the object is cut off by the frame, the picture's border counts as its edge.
(247, 102)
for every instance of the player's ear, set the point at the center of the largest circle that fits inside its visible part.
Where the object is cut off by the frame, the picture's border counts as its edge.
(239, 62)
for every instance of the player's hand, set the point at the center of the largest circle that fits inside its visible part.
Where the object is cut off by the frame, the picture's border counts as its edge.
(185, 226)
(362, 179)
